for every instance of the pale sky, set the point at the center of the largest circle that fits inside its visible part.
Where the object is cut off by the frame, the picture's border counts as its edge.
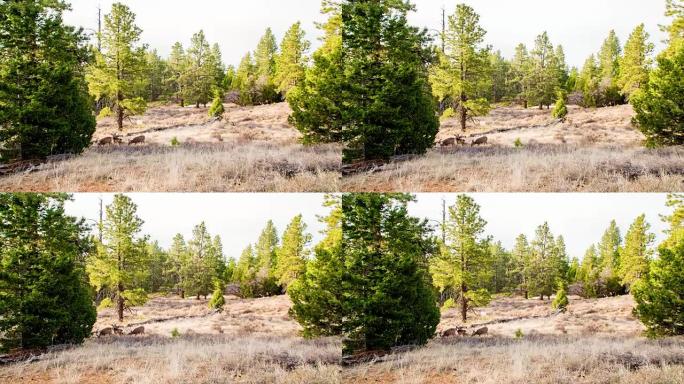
(580, 217)
(237, 218)
(580, 26)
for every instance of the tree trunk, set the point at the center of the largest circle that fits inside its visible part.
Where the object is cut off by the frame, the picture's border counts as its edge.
(119, 111)
(525, 104)
(182, 103)
(198, 296)
(182, 294)
(527, 295)
(120, 302)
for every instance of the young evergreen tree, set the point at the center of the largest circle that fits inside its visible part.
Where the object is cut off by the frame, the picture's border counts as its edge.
(217, 300)
(636, 254)
(120, 67)
(156, 70)
(382, 296)
(463, 265)
(635, 64)
(388, 106)
(459, 75)
(500, 82)
(660, 295)
(660, 107)
(245, 273)
(589, 273)
(675, 31)
(44, 294)
(204, 263)
(560, 109)
(178, 261)
(44, 103)
(290, 63)
(560, 302)
(589, 83)
(178, 73)
(293, 253)
(544, 263)
(609, 249)
(120, 263)
(217, 109)
(523, 262)
(316, 102)
(609, 67)
(245, 81)
(266, 258)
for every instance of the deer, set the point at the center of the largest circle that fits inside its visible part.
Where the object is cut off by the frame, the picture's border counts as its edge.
(105, 141)
(137, 140)
(481, 332)
(479, 141)
(137, 331)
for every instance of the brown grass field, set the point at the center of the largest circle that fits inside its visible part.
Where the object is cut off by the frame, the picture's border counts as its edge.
(595, 150)
(253, 149)
(255, 341)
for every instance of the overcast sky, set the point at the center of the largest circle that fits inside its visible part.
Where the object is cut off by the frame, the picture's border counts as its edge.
(580, 25)
(237, 218)
(580, 217)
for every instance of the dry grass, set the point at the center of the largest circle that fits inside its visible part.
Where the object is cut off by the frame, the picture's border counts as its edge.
(252, 150)
(595, 150)
(537, 168)
(254, 341)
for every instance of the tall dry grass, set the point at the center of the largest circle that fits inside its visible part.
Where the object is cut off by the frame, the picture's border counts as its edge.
(534, 168)
(251, 166)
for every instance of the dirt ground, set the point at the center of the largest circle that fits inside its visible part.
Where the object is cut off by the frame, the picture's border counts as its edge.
(255, 341)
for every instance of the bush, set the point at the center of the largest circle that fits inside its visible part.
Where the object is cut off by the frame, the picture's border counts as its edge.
(217, 300)
(519, 334)
(561, 301)
(175, 142)
(217, 109)
(450, 303)
(518, 143)
(175, 333)
(560, 110)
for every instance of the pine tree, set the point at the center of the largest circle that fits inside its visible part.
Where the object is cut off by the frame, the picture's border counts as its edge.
(44, 294)
(265, 68)
(290, 63)
(156, 70)
(560, 302)
(217, 110)
(589, 273)
(157, 276)
(202, 69)
(636, 254)
(609, 67)
(317, 295)
(388, 107)
(292, 254)
(500, 89)
(44, 104)
(589, 83)
(503, 269)
(635, 64)
(204, 263)
(522, 75)
(266, 257)
(660, 295)
(245, 273)
(522, 258)
(463, 67)
(561, 68)
(544, 257)
(609, 250)
(660, 107)
(178, 260)
(120, 263)
(675, 31)
(245, 81)
(121, 65)
(463, 265)
(544, 71)
(217, 300)
(178, 73)
(573, 271)
(316, 102)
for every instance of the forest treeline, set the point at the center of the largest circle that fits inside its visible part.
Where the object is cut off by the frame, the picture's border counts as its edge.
(376, 84)
(379, 277)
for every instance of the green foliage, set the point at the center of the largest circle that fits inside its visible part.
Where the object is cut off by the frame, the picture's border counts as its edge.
(636, 62)
(120, 264)
(519, 334)
(660, 107)
(462, 266)
(375, 290)
(292, 254)
(518, 143)
(316, 102)
(609, 68)
(217, 109)
(560, 110)
(290, 63)
(202, 264)
(265, 69)
(44, 294)
(561, 300)
(175, 142)
(544, 71)
(105, 303)
(636, 254)
(589, 83)
(463, 70)
(448, 304)
(44, 103)
(660, 295)
(120, 67)
(521, 73)
(217, 300)
(175, 333)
